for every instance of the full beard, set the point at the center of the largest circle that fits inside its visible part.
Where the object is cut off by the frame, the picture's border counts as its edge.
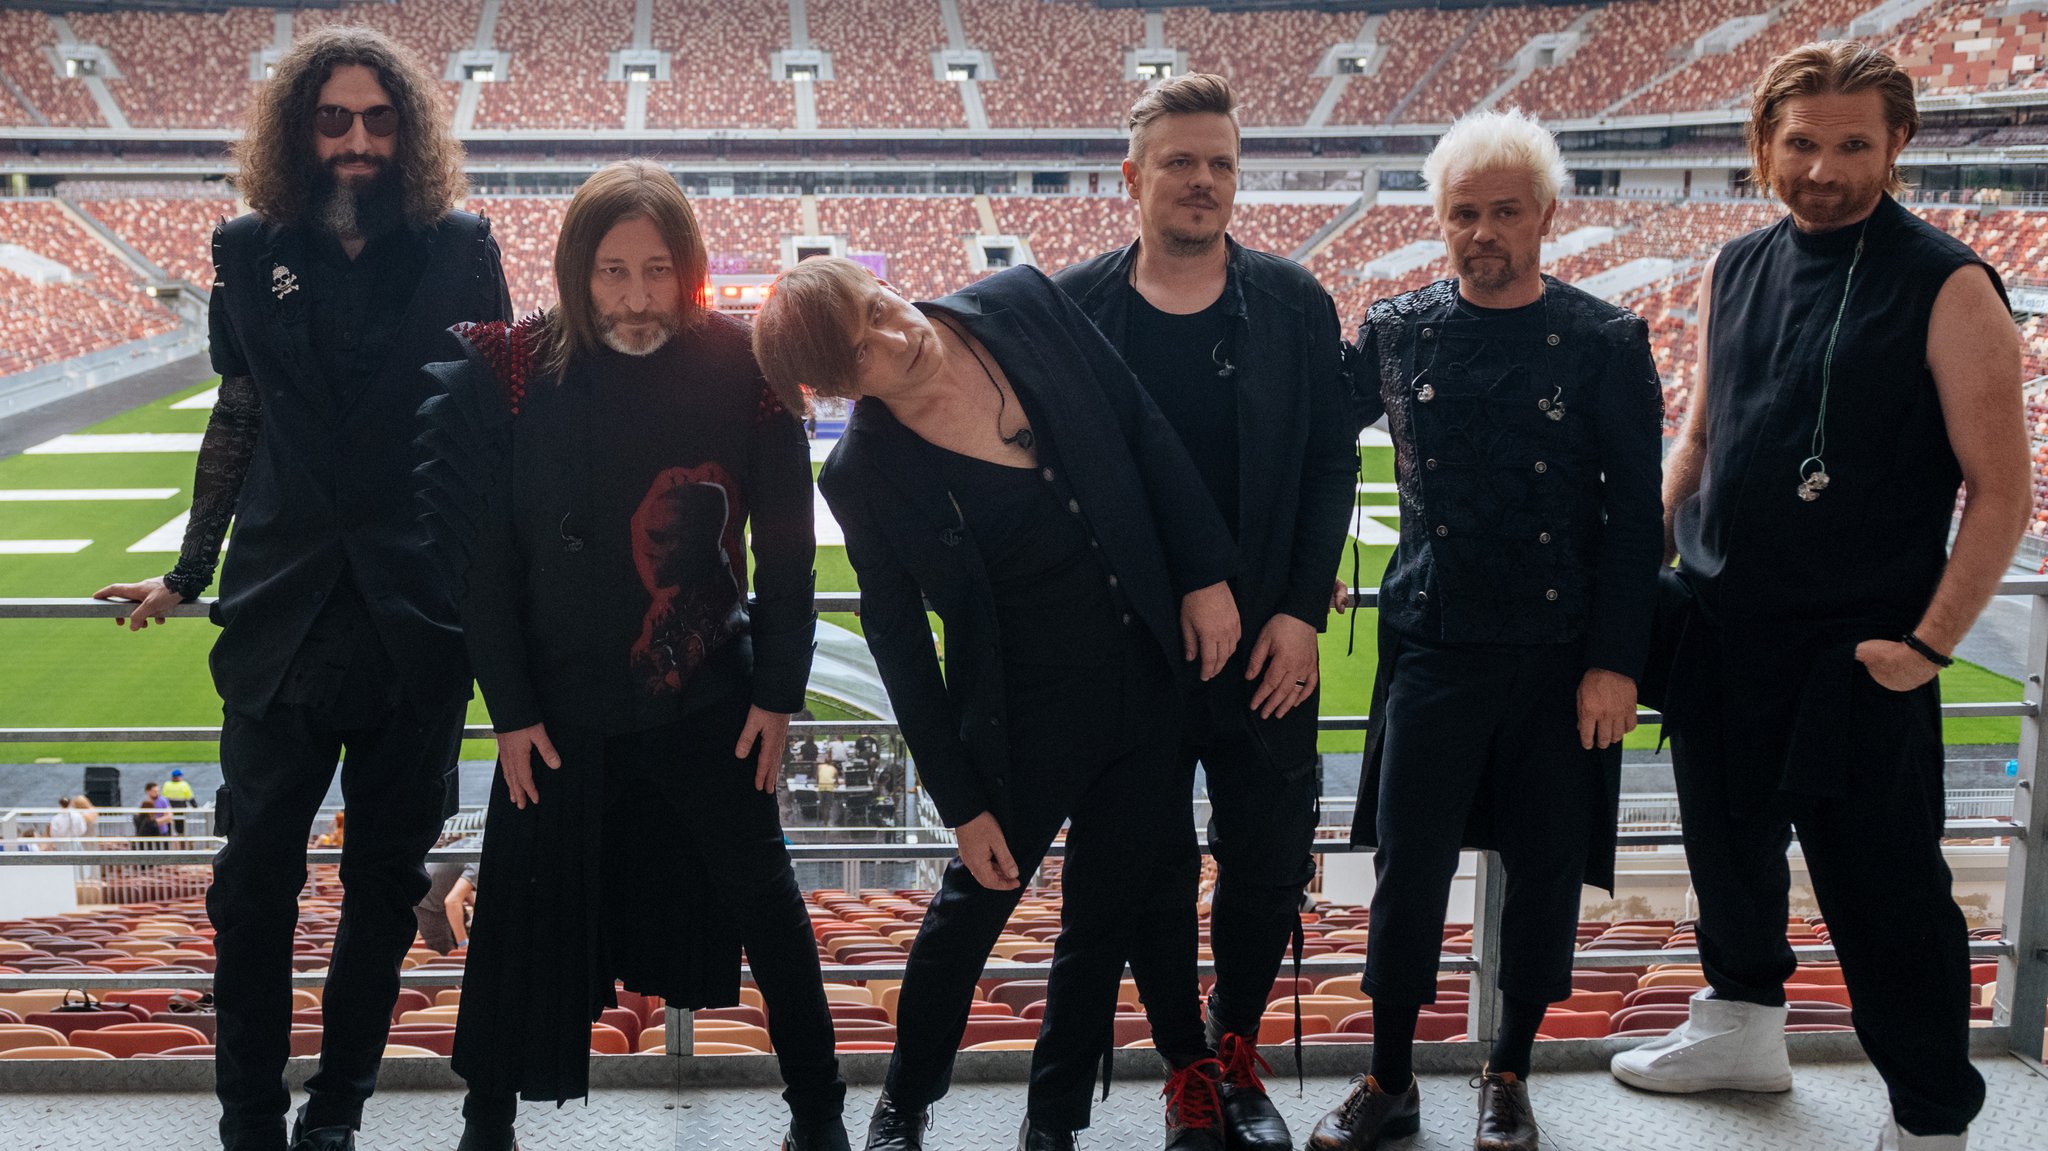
(609, 330)
(360, 209)
(1823, 208)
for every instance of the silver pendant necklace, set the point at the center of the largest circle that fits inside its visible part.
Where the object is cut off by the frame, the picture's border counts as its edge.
(1813, 470)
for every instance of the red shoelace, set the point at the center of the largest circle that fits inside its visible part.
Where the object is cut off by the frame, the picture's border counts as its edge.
(1241, 1062)
(1191, 1098)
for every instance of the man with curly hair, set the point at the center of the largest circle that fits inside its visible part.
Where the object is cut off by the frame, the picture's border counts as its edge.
(339, 637)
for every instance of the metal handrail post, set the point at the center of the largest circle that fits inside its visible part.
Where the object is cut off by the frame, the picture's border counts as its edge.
(1489, 895)
(681, 1038)
(2023, 971)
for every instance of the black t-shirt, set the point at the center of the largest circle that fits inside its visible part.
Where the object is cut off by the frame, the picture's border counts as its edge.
(667, 513)
(1055, 609)
(1179, 359)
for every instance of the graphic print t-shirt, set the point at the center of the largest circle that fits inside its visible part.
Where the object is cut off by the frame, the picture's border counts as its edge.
(669, 514)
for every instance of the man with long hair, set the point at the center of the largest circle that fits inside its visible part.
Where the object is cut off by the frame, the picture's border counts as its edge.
(338, 634)
(1803, 692)
(594, 475)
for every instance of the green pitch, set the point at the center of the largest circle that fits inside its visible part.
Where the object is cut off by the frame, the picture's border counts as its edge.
(87, 673)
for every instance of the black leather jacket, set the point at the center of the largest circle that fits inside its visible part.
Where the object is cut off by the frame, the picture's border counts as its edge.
(1530, 506)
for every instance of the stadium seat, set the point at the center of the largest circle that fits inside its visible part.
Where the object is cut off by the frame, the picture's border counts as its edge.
(53, 1053)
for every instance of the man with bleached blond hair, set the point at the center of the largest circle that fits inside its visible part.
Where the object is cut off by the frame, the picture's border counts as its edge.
(1514, 616)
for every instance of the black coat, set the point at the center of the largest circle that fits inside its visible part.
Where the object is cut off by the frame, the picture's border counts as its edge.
(497, 487)
(1124, 471)
(330, 483)
(1296, 443)
(1518, 525)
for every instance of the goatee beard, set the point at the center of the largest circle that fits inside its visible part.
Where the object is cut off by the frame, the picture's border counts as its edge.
(360, 210)
(608, 331)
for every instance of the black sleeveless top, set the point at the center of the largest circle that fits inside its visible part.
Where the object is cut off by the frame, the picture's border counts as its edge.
(1054, 609)
(1869, 550)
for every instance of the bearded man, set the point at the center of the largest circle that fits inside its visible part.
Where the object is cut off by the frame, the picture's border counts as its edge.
(594, 476)
(1856, 366)
(338, 634)
(1514, 616)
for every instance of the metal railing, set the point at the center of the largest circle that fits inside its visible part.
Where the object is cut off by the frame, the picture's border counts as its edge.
(2021, 1004)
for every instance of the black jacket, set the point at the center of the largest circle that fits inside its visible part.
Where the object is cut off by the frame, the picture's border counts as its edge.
(1517, 527)
(1529, 514)
(331, 480)
(1114, 457)
(1297, 445)
(506, 470)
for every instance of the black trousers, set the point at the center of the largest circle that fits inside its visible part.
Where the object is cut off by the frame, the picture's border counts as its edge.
(1097, 752)
(397, 784)
(1263, 793)
(1874, 856)
(1491, 730)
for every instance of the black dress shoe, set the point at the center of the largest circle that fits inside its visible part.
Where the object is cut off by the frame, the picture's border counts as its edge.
(1250, 1121)
(1506, 1122)
(1194, 1120)
(1366, 1116)
(339, 1138)
(894, 1130)
(1036, 1138)
(826, 1134)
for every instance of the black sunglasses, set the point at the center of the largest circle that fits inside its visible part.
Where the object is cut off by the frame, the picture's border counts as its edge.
(334, 121)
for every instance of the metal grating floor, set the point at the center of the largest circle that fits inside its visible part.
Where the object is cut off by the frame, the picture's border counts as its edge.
(1835, 1107)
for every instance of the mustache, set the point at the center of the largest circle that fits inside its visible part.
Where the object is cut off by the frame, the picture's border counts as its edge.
(337, 160)
(612, 320)
(1198, 202)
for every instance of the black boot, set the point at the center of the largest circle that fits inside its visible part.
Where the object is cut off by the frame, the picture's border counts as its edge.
(476, 1137)
(1035, 1138)
(825, 1133)
(1250, 1121)
(894, 1130)
(1194, 1106)
(1366, 1116)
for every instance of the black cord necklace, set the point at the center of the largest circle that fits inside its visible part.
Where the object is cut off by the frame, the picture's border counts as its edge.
(1022, 437)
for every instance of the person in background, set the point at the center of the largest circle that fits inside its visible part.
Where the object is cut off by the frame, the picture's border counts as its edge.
(179, 793)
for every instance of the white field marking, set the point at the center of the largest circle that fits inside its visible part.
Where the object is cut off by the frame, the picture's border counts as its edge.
(820, 448)
(829, 533)
(1375, 438)
(168, 538)
(201, 402)
(53, 495)
(43, 547)
(113, 443)
(1371, 532)
(1372, 487)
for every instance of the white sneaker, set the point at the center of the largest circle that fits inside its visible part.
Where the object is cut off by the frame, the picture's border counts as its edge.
(1725, 1045)
(1897, 1138)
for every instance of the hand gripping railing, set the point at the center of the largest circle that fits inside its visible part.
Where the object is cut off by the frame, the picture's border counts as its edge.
(2022, 953)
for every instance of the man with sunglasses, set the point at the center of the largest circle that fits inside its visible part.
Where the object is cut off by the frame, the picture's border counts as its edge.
(339, 636)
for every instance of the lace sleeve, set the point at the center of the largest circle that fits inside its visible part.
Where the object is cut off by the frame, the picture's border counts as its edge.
(217, 482)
